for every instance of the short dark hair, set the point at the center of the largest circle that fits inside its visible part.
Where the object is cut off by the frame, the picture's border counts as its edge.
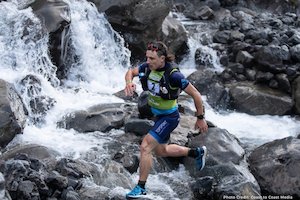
(161, 49)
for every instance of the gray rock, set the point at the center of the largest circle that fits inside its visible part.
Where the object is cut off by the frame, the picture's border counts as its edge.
(52, 13)
(9, 124)
(276, 166)
(138, 126)
(225, 164)
(103, 117)
(259, 100)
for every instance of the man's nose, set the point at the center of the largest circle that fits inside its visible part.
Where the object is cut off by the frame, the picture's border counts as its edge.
(148, 61)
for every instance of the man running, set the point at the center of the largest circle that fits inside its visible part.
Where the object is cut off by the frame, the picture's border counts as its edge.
(164, 83)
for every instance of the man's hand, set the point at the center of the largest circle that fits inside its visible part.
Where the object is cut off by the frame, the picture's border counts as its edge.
(201, 125)
(130, 89)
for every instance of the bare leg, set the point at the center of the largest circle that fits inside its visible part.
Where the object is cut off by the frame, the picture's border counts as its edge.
(172, 150)
(147, 146)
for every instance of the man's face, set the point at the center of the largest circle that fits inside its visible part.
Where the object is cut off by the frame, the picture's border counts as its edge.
(154, 61)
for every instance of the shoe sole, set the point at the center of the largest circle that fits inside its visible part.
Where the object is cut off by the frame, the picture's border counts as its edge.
(203, 157)
(136, 197)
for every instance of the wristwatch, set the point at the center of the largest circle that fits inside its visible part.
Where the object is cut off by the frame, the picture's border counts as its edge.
(200, 116)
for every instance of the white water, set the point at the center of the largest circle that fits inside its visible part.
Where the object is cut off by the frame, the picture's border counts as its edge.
(200, 38)
(98, 74)
(102, 69)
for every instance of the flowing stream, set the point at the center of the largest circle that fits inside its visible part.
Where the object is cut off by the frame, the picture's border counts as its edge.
(98, 73)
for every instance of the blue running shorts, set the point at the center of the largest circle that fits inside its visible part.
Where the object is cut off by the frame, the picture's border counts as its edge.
(164, 125)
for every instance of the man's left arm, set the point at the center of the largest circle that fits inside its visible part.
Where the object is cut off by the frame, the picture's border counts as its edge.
(195, 94)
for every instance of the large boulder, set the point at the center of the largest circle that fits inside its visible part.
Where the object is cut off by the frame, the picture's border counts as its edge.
(276, 167)
(34, 151)
(273, 57)
(225, 172)
(174, 35)
(259, 100)
(142, 21)
(208, 83)
(103, 117)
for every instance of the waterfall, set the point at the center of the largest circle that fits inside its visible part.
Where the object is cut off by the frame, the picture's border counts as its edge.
(99, 50)
(24, 45)
(101, 62)
(199, 38)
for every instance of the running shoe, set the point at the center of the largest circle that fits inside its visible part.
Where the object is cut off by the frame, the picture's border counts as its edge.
(137, 192)
(200, 159)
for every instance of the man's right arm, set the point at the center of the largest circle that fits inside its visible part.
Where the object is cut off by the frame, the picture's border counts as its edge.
(130, 86)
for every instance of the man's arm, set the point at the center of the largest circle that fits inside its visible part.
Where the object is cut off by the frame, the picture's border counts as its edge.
(130, 86)
(195, 94)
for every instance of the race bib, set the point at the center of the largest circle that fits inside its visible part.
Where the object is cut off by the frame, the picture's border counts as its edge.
(153, 87)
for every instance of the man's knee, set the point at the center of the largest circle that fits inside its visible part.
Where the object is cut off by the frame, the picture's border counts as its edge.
(144, 148)
(161, 151)
(148, 145)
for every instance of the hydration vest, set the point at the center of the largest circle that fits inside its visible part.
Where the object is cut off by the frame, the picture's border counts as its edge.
(166, 91)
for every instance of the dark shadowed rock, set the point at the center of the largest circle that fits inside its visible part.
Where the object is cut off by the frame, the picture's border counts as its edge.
(142, 21)
(208, 83)
(296, 96)
(273, 56)
(130, 162)
(138, 126)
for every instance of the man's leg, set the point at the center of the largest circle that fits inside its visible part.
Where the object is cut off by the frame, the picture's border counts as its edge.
(147, 146)
(146, 149)
(174, 150)
(171, 150)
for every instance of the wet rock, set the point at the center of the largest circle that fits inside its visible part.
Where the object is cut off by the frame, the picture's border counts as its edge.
(9, 124)
(52, 13)
(103, 117)
(35, 100)
(130, 162)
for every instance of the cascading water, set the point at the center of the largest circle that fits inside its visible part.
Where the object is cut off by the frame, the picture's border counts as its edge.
(100, 50)
(25, 63)
(98, 72)
(199, 38)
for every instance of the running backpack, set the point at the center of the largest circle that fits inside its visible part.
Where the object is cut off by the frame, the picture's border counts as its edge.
(165, 91)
